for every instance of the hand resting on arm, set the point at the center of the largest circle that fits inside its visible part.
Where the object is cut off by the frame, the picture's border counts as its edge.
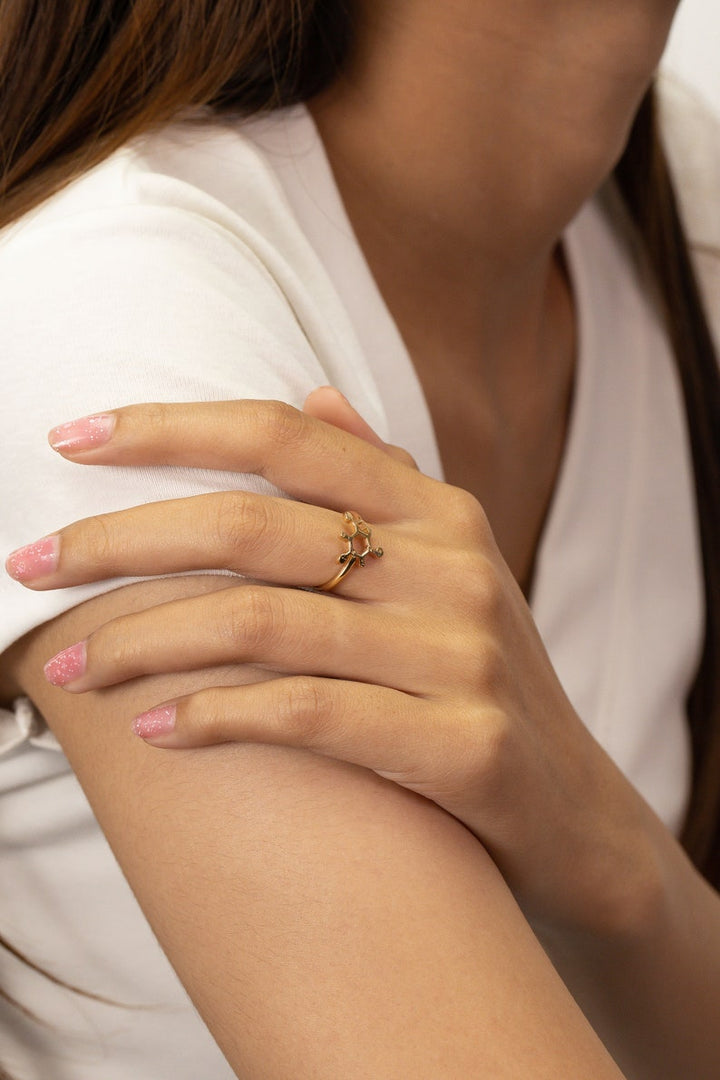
(327, 922)
(595, 871)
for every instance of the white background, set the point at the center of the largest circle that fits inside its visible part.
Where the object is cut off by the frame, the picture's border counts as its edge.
(693, 51)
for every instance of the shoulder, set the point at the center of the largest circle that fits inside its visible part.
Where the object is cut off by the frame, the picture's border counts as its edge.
(188, 230)
(192, 194)
(136, 272)
(198, 165)
(140, 224)
(195, 202)
(173, 271)
(182, 243)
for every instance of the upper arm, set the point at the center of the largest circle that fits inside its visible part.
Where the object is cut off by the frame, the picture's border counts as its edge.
(325, 921)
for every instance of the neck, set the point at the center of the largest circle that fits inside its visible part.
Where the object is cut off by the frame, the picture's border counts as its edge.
(466, 135)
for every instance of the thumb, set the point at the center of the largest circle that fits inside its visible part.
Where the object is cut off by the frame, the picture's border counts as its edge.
(328, 404)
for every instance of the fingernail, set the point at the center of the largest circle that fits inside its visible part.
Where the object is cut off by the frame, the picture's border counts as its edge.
(34, 561)
(83, 434)
(67, 666)
(160, 721)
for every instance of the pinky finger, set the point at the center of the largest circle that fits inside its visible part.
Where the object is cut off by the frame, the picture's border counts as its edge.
(379, 728)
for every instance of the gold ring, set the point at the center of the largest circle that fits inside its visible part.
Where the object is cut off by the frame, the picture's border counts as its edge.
(355, 532)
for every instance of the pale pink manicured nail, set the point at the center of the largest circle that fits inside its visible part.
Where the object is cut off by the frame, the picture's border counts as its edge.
(160, 721)
(83, 434)
(34, 561)
(67, 666)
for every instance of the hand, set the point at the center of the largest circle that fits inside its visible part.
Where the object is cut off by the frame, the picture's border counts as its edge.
(425, 666)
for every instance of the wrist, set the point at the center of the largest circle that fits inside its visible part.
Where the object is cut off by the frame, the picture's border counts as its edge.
(626, 885)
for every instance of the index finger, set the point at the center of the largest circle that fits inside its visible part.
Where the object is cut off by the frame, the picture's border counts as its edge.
(309, 459)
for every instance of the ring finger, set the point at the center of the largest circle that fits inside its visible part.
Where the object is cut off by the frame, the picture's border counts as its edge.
(271, 539)
(280, 629)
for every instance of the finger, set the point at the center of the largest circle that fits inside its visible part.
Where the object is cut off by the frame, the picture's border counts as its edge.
(280, 629)
(437, 750)
(266, 538)
(328, 404)
(309, 459)
(396, 735)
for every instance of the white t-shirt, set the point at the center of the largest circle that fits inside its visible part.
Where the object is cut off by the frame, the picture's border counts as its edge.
(215, 262)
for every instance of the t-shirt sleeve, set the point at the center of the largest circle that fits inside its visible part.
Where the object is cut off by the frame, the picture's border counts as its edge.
(111, 306)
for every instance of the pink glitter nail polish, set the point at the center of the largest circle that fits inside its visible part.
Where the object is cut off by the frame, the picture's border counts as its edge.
(83, 434)
(34, 561)
(160, 721)
(67, 666)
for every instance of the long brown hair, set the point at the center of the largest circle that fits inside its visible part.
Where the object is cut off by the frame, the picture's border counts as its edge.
(646, 184)
(79, 78)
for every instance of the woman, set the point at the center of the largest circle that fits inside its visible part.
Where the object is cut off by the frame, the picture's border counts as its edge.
(387, 906)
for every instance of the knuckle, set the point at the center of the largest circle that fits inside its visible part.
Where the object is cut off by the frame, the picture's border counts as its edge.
(154, 416)
(238, 522)
(467, 565)
(476, 582)
(467, 515)
(497, 739)
(491, 737)
(225, 519)
(154, 422)
(405, 457)
(281, 424)
(92, 541)
(253, 621)
(114, 647)
(229, 621)
(467, 761)
(202, 714)
(469, 663)
(486, 593)
(488, 670)
(305, 708)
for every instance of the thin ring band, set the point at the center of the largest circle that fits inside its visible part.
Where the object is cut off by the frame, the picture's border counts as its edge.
(355, 527)
(337, 578)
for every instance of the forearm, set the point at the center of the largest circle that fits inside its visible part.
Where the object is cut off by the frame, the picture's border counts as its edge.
(651, 986)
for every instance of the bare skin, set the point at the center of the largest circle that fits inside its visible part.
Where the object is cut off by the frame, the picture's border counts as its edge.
(485, 733)
(459, 186)
(500, 313)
